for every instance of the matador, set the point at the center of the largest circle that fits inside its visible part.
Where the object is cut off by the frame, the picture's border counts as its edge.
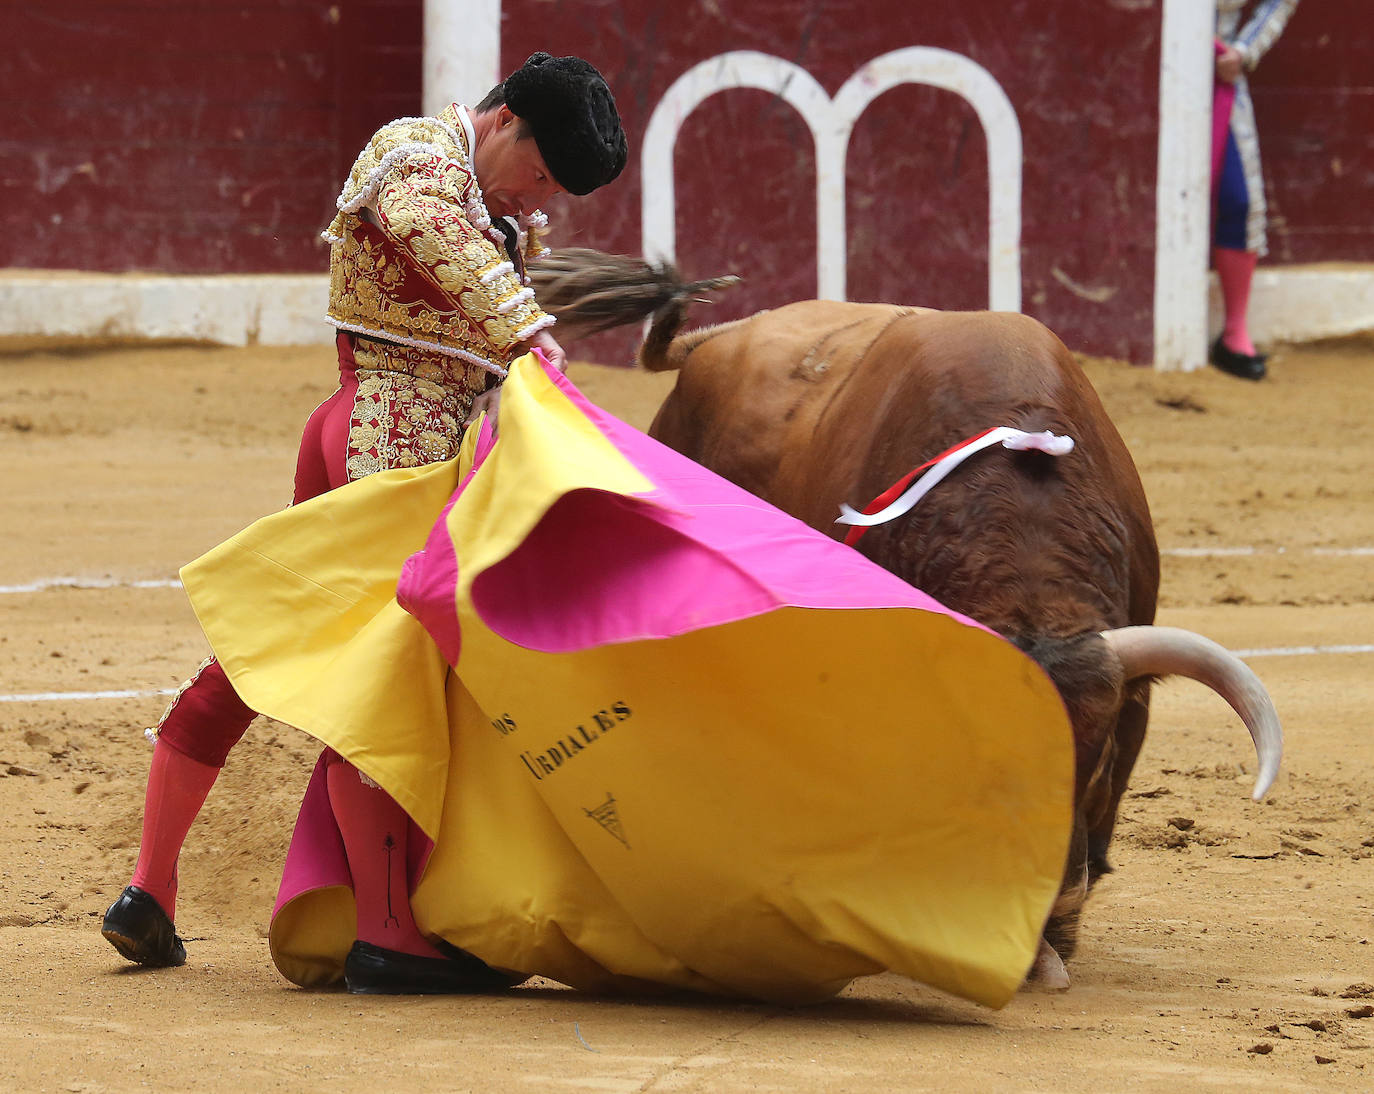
(430, 298)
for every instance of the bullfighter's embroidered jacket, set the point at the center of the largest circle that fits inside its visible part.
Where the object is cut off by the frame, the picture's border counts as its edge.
(1260, 31)
(1252, 39)
(415, 259)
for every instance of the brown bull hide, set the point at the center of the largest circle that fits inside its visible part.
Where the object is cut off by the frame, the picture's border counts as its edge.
(819, 403)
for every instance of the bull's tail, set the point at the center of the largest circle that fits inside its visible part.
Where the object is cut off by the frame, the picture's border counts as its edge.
(590, 291)
(664, 350)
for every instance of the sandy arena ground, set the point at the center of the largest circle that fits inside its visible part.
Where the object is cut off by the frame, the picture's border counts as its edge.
(1231, 950)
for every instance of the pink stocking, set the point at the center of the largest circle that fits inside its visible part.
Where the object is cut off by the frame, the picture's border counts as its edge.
(1235, 271)
(374, 830)
(177, 788)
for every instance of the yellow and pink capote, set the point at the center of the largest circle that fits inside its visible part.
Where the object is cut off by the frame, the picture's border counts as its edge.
(657, 733)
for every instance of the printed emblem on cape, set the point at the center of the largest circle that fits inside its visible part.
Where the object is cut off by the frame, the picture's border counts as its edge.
(608, 817)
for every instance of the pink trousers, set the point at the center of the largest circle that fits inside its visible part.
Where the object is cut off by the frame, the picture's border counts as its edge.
(208, 718)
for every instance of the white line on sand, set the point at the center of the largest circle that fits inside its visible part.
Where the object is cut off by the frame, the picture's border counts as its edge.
(1243, 552)
(75, 696)
(1300, 651)
(42, 583)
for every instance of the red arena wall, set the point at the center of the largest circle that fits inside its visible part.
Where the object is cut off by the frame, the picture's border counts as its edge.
(189, 137)
(205, 138)
(1314, 105)
(917, 170)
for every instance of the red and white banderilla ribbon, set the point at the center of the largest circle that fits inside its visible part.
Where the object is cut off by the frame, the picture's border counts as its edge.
(903, 495)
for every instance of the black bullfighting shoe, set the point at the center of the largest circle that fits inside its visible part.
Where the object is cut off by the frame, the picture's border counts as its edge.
(139, 929)
(372, 970)
(1245, 365)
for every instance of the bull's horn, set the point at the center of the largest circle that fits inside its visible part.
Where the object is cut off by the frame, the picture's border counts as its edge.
(1163, 651)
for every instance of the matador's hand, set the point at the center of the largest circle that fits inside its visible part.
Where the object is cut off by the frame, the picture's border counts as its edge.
(545, 343)
(489, 402)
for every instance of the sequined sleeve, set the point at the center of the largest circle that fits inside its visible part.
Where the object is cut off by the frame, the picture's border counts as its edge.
(1262, 29)
(414, 180)
(424, 204)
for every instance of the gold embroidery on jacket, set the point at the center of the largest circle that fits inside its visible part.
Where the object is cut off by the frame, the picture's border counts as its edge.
(425, 268)
(154, 732)
(409, 407)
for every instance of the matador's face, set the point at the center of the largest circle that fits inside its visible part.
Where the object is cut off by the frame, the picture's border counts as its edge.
(510, 170)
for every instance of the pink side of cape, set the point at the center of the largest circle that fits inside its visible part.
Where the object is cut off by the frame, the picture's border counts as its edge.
(696, 551)
(315, 859)
(435, 567)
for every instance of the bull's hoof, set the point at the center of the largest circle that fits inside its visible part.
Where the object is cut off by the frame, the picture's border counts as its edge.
(1047, 972)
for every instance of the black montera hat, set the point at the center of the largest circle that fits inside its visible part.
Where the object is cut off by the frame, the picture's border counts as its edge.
(573, 117)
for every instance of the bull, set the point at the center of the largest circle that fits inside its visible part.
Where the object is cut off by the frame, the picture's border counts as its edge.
(821, 404)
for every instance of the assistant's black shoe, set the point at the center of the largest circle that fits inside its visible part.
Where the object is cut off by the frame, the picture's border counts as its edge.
(139, 929)
(372, 970)
(1245, 365)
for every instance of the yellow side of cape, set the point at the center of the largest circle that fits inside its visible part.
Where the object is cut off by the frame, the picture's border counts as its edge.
(768, 808)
